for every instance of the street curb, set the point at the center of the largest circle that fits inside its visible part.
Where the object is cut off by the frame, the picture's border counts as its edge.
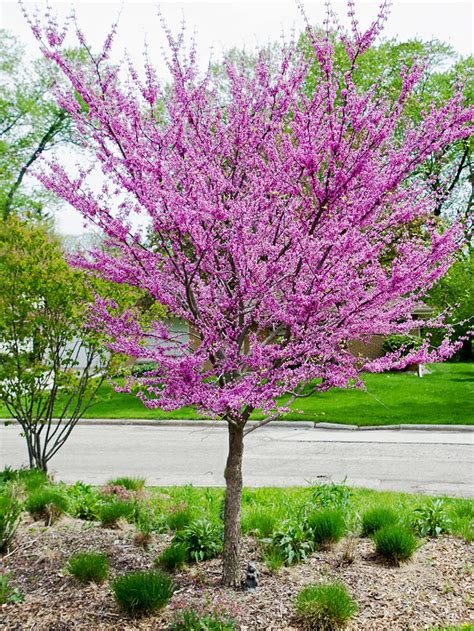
(276, 424)
(403, 426)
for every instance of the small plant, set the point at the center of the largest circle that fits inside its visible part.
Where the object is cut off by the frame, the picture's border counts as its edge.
(274, 558)
(325, 607)
(431, 520)
(202, 538)
(144, 534)
(259, 521)
(291, 542)
(190, 620)
(139, 593)
(7, 593)
(173, 558)
(131, 484)
(326, 526)
(84, 501)
(111, 512)
(10, 510)
(89, 567)
(331, 495)
(180, 518)
(376, 518)
(349, 550)
(395, 543)
(46, 503)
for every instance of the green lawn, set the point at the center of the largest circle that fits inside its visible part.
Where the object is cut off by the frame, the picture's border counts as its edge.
(445, 396)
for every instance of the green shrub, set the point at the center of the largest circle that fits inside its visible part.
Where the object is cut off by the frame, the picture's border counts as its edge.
(395, 543)
(376, 518)
(331, 495)
(292, 542)
(142, 592)
(259, 521)
(10, 510)
(174, 557)
(89, 567)
(46, 503)
(111, 512)
(326, 526)
(84, 501)
(180, 519)
(202, 538)
(432, 519)
(408, 343)
(190, 620)
(131, 484)
(325, 607)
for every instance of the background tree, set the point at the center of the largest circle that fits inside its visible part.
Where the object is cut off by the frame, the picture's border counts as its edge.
(51, 364)
(454, 292)
(272, 210)
(450, 171)
(31, 123)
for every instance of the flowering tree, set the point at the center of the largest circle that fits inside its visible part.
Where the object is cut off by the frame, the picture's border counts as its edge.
(280, 223)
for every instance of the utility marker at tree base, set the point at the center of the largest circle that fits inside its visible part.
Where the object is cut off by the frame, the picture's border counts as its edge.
(282, 223)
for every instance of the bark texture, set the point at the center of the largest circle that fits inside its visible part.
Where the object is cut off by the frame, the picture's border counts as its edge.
(233, 498)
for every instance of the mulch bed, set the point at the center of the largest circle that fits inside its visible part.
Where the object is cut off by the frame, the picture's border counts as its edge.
(435, 589)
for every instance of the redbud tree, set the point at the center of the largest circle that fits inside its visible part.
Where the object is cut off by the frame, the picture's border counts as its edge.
(284, 223)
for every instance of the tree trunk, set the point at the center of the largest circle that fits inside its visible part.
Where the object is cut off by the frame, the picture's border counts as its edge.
(233, 498)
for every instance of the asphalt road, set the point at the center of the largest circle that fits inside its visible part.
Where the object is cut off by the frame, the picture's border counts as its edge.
(432, 462)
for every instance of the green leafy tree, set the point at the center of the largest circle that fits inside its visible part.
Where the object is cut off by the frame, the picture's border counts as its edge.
(455, 292)
(449, 171)
(51, 364)
(31, 123)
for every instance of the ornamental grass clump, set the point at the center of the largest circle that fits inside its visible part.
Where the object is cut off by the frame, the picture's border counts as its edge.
(395, 543)
(89, 567)
(261, 522)
(173, 558)
(131, 484)
(326, 527)
(376, 518)
(325, 607)
(112, 512)
(30, 479)
(46, 503)
(139, 593)
(179, 518)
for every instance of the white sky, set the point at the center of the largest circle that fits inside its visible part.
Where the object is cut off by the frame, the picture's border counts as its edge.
(225, 24)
